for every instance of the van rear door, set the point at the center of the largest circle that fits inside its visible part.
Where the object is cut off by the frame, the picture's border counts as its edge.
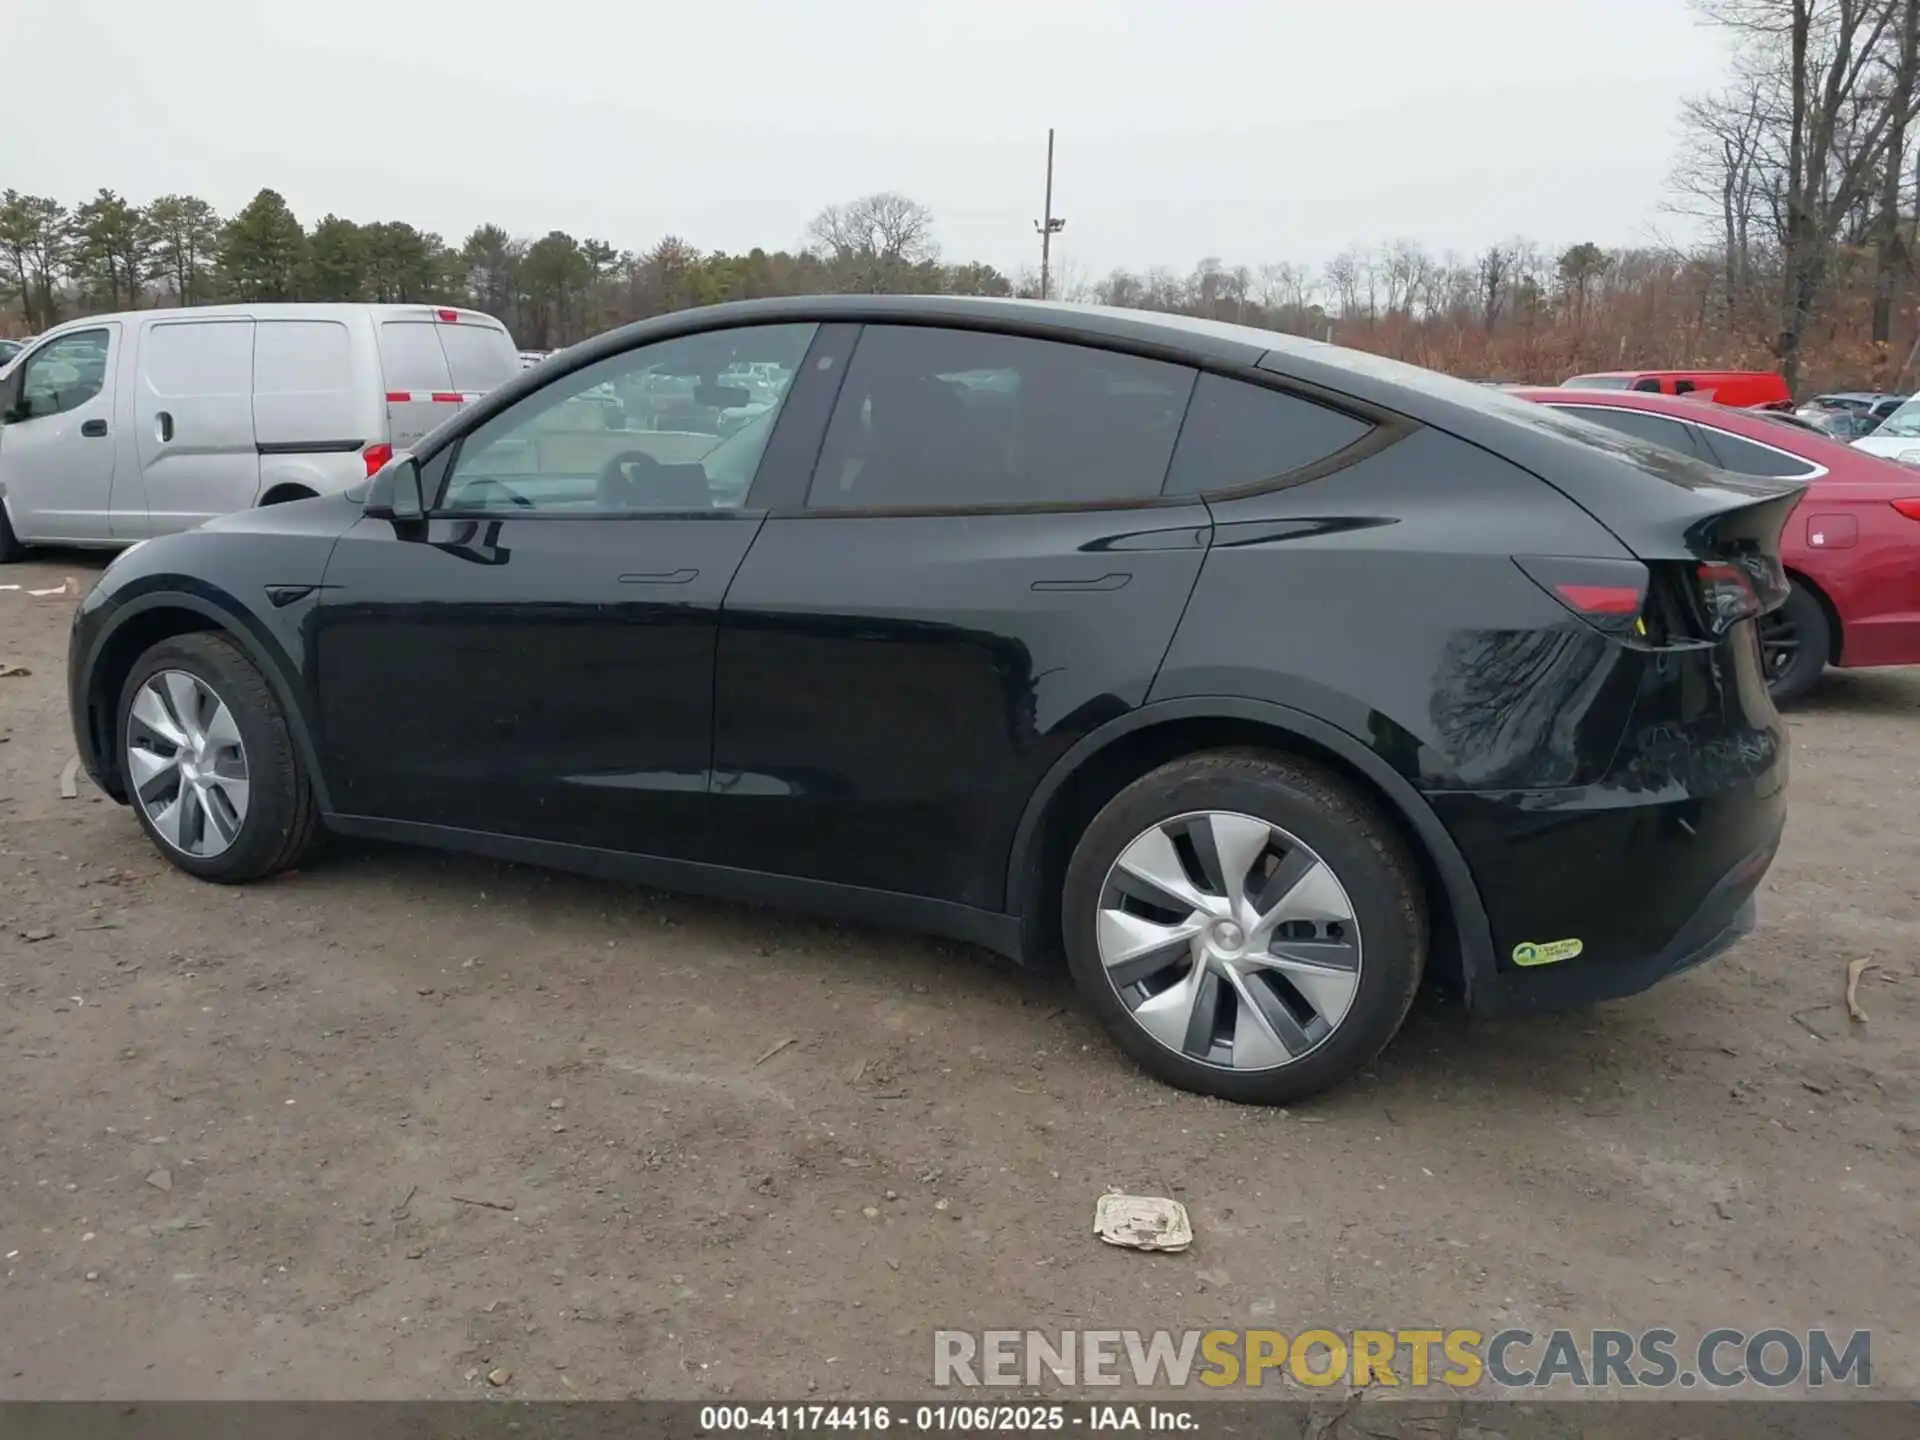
(192, 424)
(437, 361)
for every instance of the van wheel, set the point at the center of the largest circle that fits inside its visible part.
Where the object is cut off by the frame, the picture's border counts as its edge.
(209, 763)
(1796, 645)
(10, 547)
(1245, 925)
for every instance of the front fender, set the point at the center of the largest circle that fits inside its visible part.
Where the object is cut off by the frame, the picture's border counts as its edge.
(113, 627)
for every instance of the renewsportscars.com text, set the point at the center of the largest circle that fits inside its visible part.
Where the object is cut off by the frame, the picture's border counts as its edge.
(1416, 1358)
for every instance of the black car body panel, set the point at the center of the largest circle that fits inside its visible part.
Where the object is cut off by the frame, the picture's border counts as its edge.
(876, 714)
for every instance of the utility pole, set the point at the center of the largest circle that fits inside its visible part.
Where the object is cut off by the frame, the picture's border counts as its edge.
(1050, 224)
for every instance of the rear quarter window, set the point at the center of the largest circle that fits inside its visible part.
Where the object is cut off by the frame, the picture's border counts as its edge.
(1237, 435)
(479, 357)
(1745, 457)
(411, 357)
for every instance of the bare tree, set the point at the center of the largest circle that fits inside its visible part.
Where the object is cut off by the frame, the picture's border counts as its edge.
(1891, 258)
(1827, 138)
(1720, 175)
(876, 242)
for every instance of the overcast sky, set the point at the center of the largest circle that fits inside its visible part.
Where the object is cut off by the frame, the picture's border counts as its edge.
(1254, 130)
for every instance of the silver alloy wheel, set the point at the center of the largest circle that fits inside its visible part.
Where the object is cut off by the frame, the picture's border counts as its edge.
(186, 763)
(1230, 940)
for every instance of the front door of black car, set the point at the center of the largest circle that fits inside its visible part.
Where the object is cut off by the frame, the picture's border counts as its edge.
(536, 658)
(980, 571)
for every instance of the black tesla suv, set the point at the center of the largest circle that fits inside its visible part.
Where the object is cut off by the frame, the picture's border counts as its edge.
(1257, 678)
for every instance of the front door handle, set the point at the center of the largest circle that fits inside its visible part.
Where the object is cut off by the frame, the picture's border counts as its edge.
(659, 577)
(1106, 582)
(93, 429)
(163, 424)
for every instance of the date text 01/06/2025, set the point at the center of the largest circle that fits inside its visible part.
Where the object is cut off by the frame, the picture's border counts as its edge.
(950, 1418)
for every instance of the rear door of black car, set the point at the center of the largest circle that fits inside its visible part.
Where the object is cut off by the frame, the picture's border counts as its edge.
(979, 570)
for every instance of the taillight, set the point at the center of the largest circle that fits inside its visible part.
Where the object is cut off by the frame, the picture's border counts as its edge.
(1728, 593)
(1908, 508)
(1608, 594)
(450, 317)
(376, 456)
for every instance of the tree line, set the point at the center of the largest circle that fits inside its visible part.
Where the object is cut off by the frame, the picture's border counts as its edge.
(1802, 169)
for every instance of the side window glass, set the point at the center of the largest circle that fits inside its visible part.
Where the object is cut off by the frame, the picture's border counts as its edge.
(1657, 429)
(966, 420)
(675, 426)
(1649, 385)
(1744, 457)
(1238, 434)
(64, 375)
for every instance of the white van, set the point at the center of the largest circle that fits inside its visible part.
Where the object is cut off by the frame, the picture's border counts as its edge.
(118, 427)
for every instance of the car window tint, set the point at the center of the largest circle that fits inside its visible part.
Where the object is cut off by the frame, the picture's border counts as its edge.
(479, 357)
(1744, 457)
(411, 357)
(1669, 434)
(675, 426)
(1238, 434)
(958, 419)
(64, 374)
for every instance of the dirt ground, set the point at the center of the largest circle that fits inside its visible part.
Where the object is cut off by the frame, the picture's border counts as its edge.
(388, 1125)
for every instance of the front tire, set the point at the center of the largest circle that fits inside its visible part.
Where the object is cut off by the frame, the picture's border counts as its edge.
(1796, 644)
(209, 763)
(1246, 925)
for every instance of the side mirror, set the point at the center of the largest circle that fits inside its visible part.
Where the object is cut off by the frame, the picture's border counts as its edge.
(10, 408)
(394, 493)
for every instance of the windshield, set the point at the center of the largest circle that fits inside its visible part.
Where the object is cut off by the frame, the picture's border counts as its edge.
(1600, 382)
(1903, 424)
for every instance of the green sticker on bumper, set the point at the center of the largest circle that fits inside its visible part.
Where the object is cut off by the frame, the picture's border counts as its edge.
(1546, 953)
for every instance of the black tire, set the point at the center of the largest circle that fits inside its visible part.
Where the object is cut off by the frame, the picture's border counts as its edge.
(10, 547)
(281, 827)
(1801, 621)
(1345, 829)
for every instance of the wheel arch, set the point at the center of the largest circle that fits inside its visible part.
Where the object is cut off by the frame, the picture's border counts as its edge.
(1112, 757)
(285, 491)
(141, 624)
(1837, 648)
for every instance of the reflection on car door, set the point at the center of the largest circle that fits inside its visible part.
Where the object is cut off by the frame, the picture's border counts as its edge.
(57, 451)
(980, 572)
(536, 658)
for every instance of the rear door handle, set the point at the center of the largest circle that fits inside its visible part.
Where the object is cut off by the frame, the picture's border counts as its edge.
(1106, 582)
(165, 423)
(659, 577)
(93, 429)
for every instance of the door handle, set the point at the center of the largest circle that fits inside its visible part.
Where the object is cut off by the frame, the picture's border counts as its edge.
(93, 429)
(659, 577)
(163, 425)
(1106, 582)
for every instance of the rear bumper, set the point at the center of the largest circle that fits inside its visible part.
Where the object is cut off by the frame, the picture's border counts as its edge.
(1728, 914)
(1649, 879)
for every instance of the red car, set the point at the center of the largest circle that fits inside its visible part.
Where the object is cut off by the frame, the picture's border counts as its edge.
(1852, 544)
(1749, 389)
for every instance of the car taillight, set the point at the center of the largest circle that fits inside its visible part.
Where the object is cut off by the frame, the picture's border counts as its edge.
(1728, 593)
(1608, 594)
(447, 317)
(1908, 508)
(376, 456)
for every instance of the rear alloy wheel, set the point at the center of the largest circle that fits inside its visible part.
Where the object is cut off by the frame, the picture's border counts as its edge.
(209, 764)
(1246, 926)
(1796, 645)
